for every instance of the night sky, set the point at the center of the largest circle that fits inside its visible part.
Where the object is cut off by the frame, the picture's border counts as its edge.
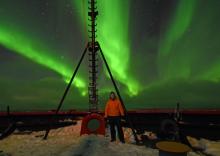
(160, 52)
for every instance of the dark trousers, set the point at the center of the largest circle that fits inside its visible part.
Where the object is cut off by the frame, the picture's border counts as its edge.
(116, 121)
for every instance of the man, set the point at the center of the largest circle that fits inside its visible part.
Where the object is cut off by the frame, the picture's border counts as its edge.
(113, 112)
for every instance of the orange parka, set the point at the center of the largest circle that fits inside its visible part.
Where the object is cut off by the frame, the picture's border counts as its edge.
(114, 108)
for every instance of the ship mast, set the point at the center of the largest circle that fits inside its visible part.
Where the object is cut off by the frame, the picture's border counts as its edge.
(94, 121)
(93, 48)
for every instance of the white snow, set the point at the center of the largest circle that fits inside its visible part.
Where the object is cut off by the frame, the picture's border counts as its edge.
(33, 145)
(209, 147)
(67, 142)
(98, 146)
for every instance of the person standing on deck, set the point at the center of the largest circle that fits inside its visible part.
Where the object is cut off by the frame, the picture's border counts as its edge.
(113, 112)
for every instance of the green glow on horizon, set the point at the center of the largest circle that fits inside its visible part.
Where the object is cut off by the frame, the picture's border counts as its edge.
(113, 35)
(16, 41)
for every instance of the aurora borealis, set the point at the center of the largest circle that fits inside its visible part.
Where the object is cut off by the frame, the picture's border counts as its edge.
(118, 44)
(15, 41)
(160, 52)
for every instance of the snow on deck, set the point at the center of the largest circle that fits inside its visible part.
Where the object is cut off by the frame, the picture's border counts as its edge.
(98, 146)
(67, 142)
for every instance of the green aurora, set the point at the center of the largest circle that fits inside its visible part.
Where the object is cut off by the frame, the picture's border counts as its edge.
(179, 63)
(113, 35)
(32, 49)
(190, 43)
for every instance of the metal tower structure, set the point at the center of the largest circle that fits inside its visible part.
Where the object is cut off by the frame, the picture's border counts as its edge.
(94, 47)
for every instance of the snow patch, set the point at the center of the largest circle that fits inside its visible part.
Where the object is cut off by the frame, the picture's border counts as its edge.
(98, 145)
(66, 141)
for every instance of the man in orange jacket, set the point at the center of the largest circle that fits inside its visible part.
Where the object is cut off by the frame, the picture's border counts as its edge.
(113, 112)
